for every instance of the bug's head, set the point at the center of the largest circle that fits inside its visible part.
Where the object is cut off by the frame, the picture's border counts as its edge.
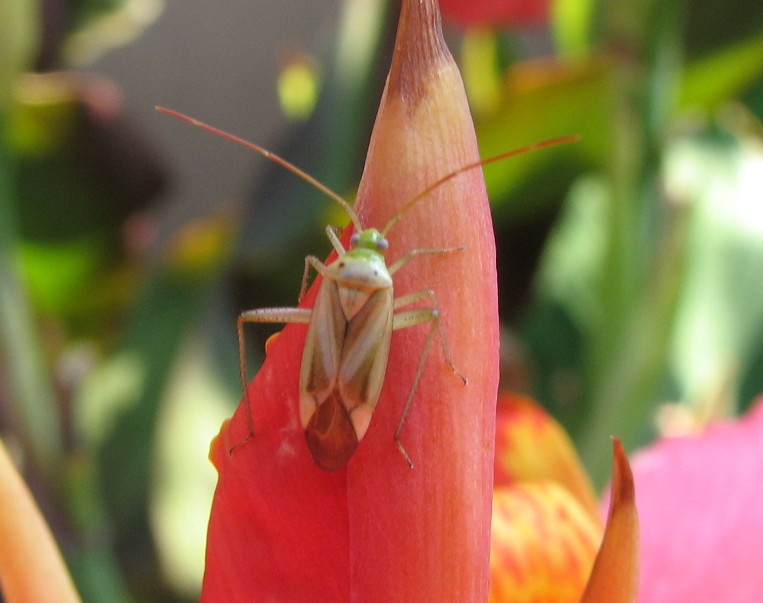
(369, 239)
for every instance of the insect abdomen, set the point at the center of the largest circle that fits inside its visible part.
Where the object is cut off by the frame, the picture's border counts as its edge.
(330, 434)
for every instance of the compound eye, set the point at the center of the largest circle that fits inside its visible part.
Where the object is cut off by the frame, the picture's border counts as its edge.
(354, 239)
(382, 244)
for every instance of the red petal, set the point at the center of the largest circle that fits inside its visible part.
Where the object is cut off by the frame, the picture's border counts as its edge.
(424, 533)
(495, 12)
(278, 529)
(699, 502)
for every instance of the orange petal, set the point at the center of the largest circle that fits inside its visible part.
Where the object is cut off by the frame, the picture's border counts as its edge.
(532, 446)
(614, 578)
(544, 544)
(31, 568)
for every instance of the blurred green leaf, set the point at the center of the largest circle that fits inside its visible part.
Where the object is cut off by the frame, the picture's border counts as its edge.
(80, 178)
(59, 275)
(545, 99)
(573, 23)
(727, 72)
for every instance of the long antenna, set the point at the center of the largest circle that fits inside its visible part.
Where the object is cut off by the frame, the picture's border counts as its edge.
(552, 142)
(273, 157)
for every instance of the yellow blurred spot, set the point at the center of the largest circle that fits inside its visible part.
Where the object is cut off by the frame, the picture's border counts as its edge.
(44, 113)
(201, 245)
(482, 76)
(298, 86)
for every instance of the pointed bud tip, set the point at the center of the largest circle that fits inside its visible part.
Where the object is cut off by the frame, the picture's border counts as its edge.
(614, 578)
(420, 50)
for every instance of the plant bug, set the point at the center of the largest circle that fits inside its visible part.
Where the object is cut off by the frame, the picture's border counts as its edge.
(351, 322)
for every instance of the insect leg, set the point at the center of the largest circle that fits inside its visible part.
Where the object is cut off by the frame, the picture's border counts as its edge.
(261, 315)
(320, 268)
(403, 260)
(410, 318)
(332, 232)
(311, 260)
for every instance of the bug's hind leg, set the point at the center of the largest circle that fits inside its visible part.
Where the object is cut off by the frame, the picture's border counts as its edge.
(410, 318)
(261, 315)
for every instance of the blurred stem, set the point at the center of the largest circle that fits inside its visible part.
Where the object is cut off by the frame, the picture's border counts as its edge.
(638, 294)
(33, 409)
(93, 563)
(33, 405)
(32, 402)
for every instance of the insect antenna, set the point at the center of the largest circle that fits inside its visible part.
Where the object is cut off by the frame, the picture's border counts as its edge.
(552, 142)
(273, 157)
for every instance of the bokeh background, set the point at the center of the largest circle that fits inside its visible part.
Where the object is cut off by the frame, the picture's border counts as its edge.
(630, 263)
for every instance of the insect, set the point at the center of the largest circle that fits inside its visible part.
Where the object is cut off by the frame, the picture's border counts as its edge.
(351, 323)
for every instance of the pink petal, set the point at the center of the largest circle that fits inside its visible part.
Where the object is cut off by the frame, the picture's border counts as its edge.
(699, 502)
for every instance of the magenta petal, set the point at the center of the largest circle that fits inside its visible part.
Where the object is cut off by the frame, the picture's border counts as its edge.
(699, 502)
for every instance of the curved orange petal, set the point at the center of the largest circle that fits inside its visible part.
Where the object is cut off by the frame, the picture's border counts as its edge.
(31, 567)
(615, 574)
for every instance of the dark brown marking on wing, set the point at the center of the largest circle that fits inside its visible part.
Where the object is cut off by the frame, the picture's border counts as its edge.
(330, 435)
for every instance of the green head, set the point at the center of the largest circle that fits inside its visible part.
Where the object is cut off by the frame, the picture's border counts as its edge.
(370, 239)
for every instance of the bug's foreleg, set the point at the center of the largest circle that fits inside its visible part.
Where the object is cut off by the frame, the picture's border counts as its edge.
(320, 268)
(261, 315)
(403, 260)
(332, 232)
(410, 318)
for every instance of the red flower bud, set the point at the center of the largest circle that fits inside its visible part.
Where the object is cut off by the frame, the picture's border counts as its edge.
(283, 529)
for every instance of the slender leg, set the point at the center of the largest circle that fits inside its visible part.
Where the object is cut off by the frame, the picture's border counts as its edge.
(332, 232)
(403, 260)
(410, 318)
(261, 315)
(320, 268)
